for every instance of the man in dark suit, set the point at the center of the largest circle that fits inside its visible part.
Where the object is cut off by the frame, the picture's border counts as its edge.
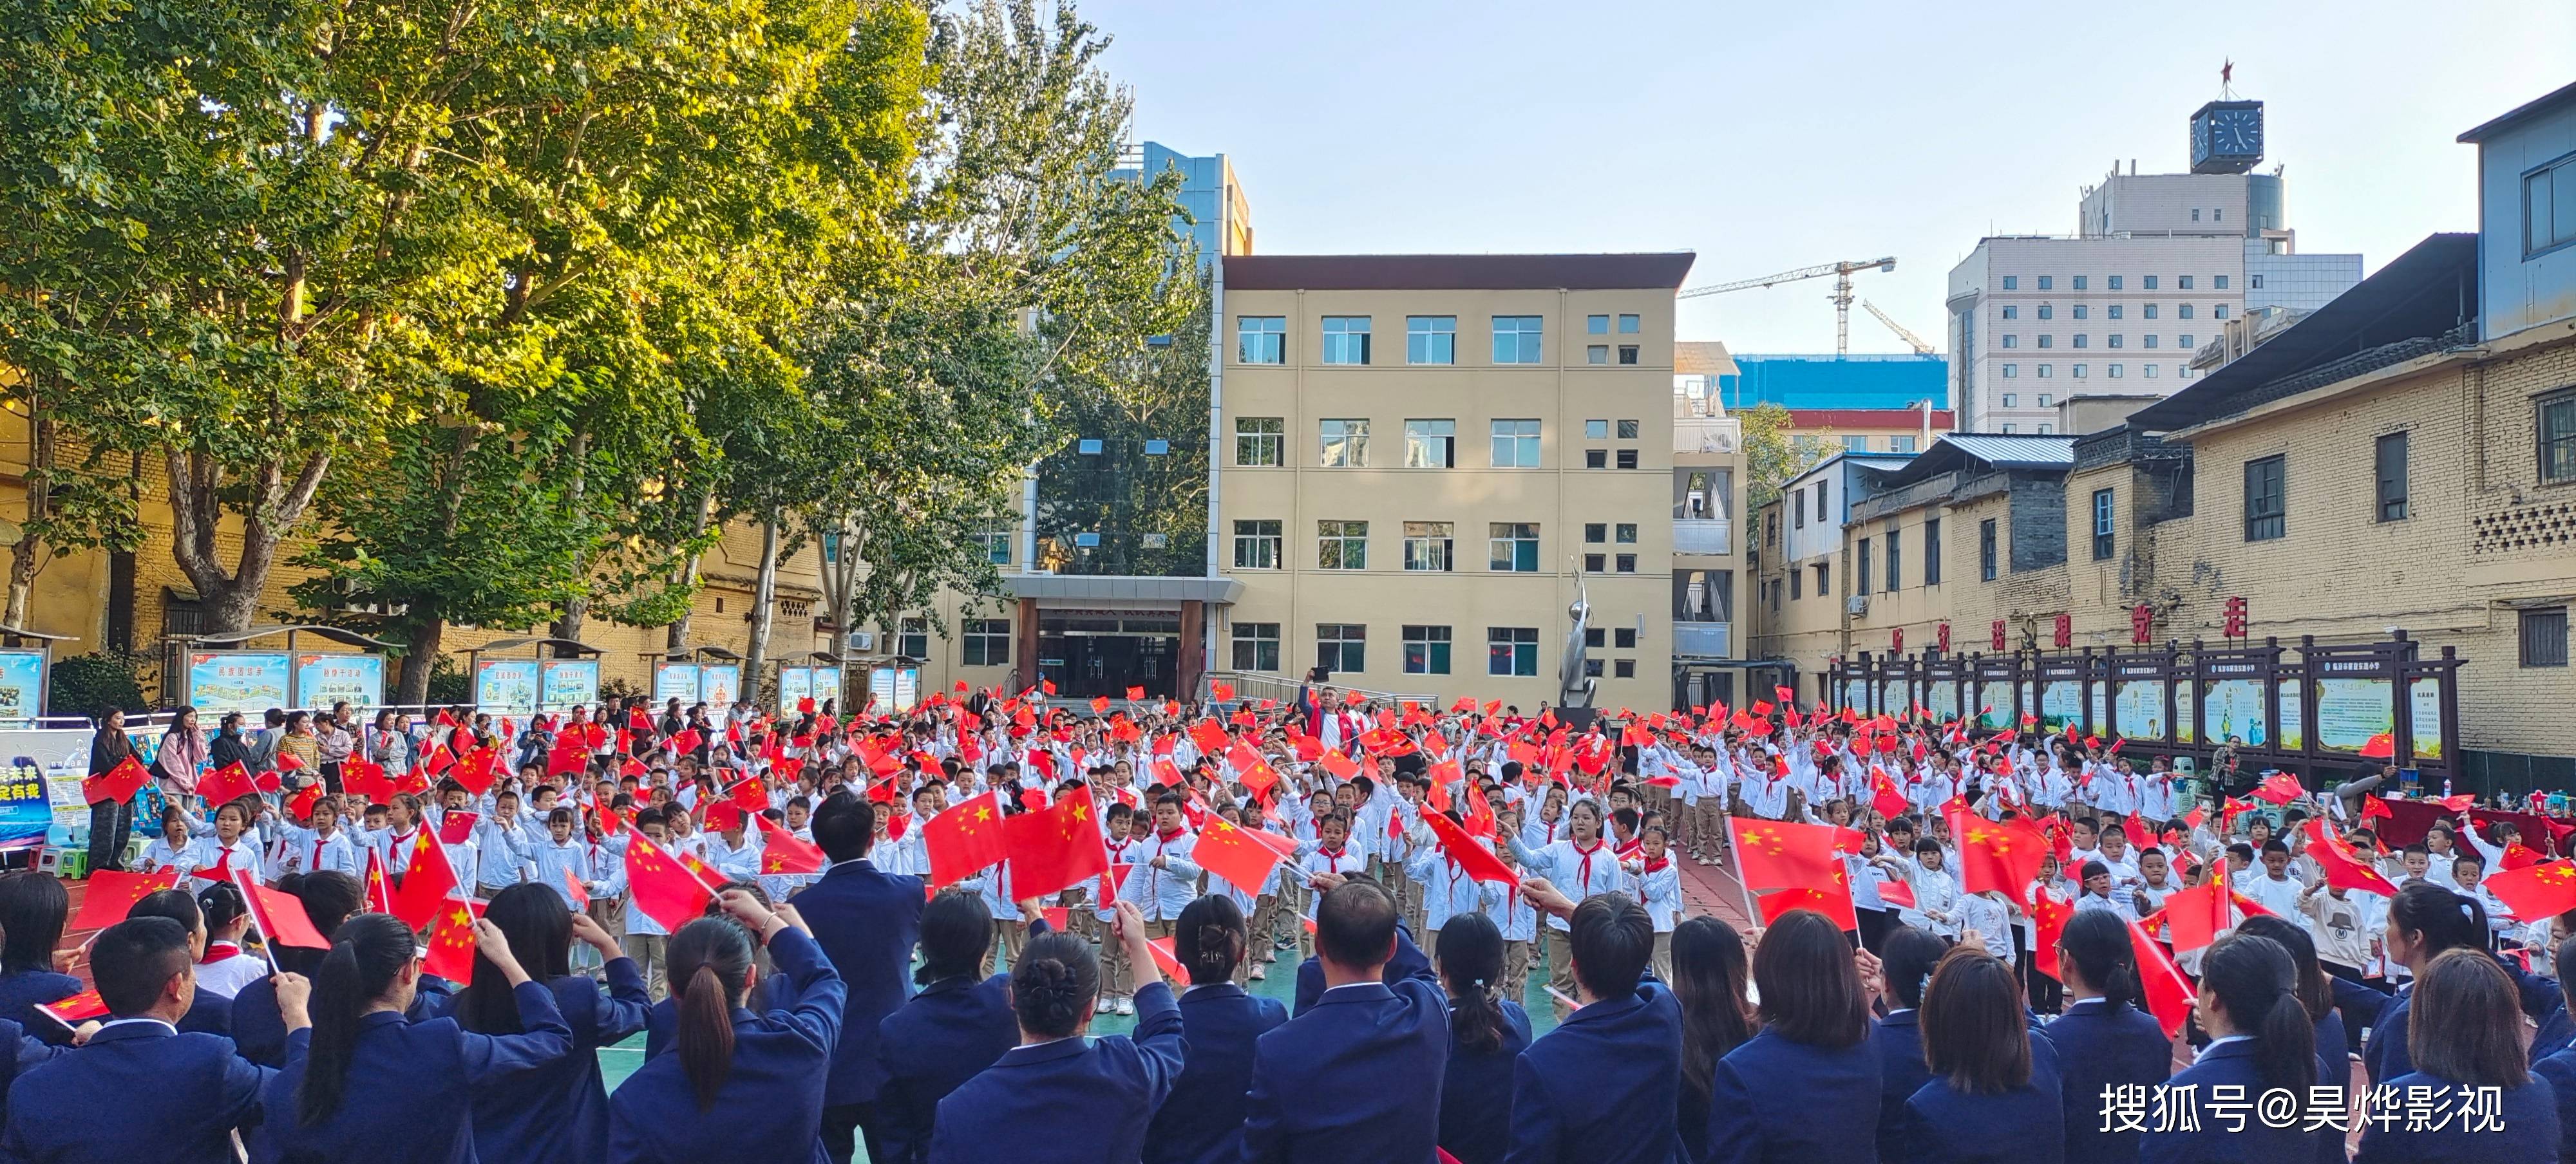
(1357, 1075)
(1604, 1086)
(141, 1090)
(1409, 962)
(866, 920)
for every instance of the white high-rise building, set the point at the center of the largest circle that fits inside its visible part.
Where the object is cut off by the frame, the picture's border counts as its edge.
(2157, 266)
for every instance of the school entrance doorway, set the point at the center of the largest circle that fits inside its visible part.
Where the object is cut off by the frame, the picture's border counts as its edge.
(1105, 652)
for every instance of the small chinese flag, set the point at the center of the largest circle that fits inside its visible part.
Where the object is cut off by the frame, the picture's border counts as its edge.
(1222, 692)
(2169, 996)
(967, 837)
(380, 888)
(280, 916)
(301, 805)
(1135, 694)
(1474, 860)
(2048, 917)
(1784, 855)
(2279, 788)
(118, 784)
(227, 784)
(455, 827)
(574, 892)
(1242, 857)
(781, 853)
(666, 890)
(1353, 699)
(1055, 847)
(2001, 855)
(1099, 704)
(451, 942)
(78, 1009)
(112, 895)
(366, 778)
(426, 882)
(1896, 893)
(1166, 960)
(1836, 906)
(2536, 891)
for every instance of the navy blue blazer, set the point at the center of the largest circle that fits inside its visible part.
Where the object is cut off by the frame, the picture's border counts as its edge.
(2228, 1064)
(1409, 961)
(137, 1091)
(2334, 1069)
(31, 1052)
(2099, 1045)
(1202, 1122)
(410, 1094)
(210, 1014)
(22, 991)
(558, 1113)
(1078, 1100)
(2383, 1050)
(662, 1018)
(1899, 1041)
(2529, 1114)
(1476, 1093)
(1604, 1086)
(2026, 1125)
(867, 922)
(2554, 1035)
(1356, 1076)
(1833, 1118)
(2560, 1070)
(949, 1033)
(770, 1109)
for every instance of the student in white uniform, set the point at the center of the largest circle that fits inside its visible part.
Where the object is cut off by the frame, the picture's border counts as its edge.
(225, 969)
(1658, 882)
(174, 849)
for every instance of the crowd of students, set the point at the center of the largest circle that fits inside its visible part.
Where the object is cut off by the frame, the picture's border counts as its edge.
(810, 1013)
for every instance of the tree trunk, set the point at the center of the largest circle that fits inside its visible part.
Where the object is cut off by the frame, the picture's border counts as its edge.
(577, 607)
(196, 511)
(764, 604)
(420, 657)
(27, 555)
(687, 578)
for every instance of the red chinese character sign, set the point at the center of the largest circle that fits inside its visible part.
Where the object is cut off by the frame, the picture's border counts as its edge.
(1941, 636)
(2142, 624)
(2065, 630)
(1896, 640)
(1998, 630)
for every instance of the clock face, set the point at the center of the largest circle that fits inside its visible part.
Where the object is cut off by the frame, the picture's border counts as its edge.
(2236, 132)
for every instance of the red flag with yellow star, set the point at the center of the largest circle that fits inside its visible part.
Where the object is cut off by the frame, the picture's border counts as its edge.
(2536, 891)
(1835, 905)
(118, 784)
(112, 895)
(2048, 919)
(2000, 855)
(2343, 868)
(965, 838)
(667, 890)
(1784, 855)
(781, 853)
(1055, 847)
(78, 1009)
(426, 882)
(451, 941)
(380, 888)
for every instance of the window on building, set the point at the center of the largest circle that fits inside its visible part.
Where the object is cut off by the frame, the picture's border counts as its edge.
(997, 545)
(1595, 563)
(2046, 400)
(2218, 282)
(1261, 339)
(2009, 430)
(2115, 370)
(2012, 341)
(2082, 340)
(2148, 310)
(1426, 650)
(1341, 545)
(1260, 440)
(2254, 282)
(1158, 447)
(2047, 370)
(2265, 499)
(1430, 339)
(1627, 353)
(1346, 339)
(1256, 545)
(913, 640)
(2048, 341)
(1931, 551)
(1627, 458)
(2544, 637)
(1625, 532)
(1798, 508)
(1624, 638)
(2147, 281)
(1900, 444)
(1624, 563)
(2183, 282)
(2390, 459)
(2101, 525)
(1429, 546)
(2012, 399)
(1630, 324)
(1430, 444)
(987, 642)
(1592, 668)
(2115, 313)
(2556, 427)
(1797, 584)
(2078, 371)
(2549, 208)
(2046, 429)
(1986, 550)
(1596, 354)
(2046, 282)
(1824, 580)
(2079, 282)
(1511, 650)
(1256, 646)
(1895, 558)
(2012, 282)
(1856, 443)
(1596, 532)
(1596, 325)
(2115, 285)
(1596, 430)
(2083, 312)
(1341, 646)
(1516, 339)
(1824, 510)
(2047, 311)
(2149, 340)
(2218, 311)
(2012, 371)
(1628, 430)
(1515, 547)
(2011, 311)
(1596, 458)
(1515, 444)
(1344, 443)
(1088, 446)
(2149, 369)
(2183, 341)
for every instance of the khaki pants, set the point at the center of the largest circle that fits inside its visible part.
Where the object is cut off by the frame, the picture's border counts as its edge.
(1712, 828)
(1430, 943)
(1116, 976)
(647, 952)
(1663, 957)
(1009, 937)
(1516, 960)
(1560, 960)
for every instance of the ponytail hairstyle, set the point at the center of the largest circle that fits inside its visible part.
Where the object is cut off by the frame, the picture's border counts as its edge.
(1471, 967)
(222, 905)
(2257, 983)
(1210, 938)
(956, 932)
(367, 957)
(2096, 943)
(1710, 969)
(1054, 985)
(2316, 994)
(711, 960)
(2433, 919)
(532, 916)
(329, 898)
(1908, 956)
(2467, 1025)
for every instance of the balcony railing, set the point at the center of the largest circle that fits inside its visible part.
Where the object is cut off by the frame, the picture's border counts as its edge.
(1703, 535)
(1704, 640)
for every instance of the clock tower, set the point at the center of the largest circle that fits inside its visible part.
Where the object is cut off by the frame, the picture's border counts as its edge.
(2226, 137)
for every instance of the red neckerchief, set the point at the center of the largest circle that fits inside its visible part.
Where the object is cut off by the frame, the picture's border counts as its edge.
(218, 951)
(1631, 848)
(1168, 838)
(1333, 855)
(1586, 854)
(1659, 864)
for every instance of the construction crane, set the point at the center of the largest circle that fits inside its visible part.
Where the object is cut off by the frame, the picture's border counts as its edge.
(1842, 295)
(1912, 340)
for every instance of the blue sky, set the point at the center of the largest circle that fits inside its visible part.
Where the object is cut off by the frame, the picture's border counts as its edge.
(1784, 135)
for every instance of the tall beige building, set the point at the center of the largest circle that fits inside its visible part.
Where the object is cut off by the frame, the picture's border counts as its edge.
(1420, 455)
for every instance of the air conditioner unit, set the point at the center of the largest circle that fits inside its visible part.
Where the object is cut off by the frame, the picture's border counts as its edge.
(863, 640)
(1857, 604)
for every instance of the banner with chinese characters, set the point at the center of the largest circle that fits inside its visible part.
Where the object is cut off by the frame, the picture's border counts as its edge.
(22, 685)
(675, 681)
(565, 684)
(40, 784)
(506, 686)
(244, 681)
(720, 684)
(322, 680)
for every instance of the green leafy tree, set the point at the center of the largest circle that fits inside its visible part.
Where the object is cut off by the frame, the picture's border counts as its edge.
(1772, 454)
(1150, 509)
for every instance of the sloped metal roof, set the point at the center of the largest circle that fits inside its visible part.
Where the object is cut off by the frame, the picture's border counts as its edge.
(2013, 452)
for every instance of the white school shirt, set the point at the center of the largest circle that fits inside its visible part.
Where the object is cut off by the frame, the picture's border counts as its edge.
(1934, 890)
(1161, 894)
(2281, 897)
(551, 861)
(1511, 913)
(225, 977)
(1346, 862)
(1578, 873)
(735, 864)
(1660, 891)
(302, 850)
(1991, 919)
(504, 852)
(244, 854)
(161, 854)
(613, 855)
